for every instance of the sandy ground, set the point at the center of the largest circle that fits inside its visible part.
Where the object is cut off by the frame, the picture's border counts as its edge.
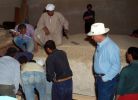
(83, 97)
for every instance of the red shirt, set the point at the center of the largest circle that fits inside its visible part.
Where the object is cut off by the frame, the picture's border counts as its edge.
(129, 97)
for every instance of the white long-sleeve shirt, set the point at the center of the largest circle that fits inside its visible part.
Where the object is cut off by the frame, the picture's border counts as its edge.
(54, 24)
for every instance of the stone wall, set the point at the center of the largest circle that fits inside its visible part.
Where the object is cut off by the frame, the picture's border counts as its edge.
(119, 15)
(7, 8)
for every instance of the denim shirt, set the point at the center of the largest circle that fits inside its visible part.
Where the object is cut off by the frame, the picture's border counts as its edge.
(107, 59)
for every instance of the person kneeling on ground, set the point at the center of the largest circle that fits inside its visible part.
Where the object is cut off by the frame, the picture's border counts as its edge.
(22, 40)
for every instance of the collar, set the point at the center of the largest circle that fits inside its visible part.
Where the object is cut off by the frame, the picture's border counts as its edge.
(135, 61)
(103, 42)
(53, 51)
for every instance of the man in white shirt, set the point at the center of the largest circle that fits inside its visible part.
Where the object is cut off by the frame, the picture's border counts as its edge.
(9, 73)
(50, 26)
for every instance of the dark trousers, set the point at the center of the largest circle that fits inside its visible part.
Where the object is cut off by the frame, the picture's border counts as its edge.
(7, 90)
(106, 90)
(62, 90)
(88, 27)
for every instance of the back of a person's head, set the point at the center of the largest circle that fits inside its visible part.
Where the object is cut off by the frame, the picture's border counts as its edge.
(50, 44)
(29, 55)
(134, 52)
(11, 51)
(21, 26)
(22, 59)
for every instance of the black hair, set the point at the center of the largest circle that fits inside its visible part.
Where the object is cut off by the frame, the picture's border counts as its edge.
(50, 44)
(89, 6)
(32, 61)
(23, 59)
(11, 51)
(106, 34)
(21, 26)
(134, 52)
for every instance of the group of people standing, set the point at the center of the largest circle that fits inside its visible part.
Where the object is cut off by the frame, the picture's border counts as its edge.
(47, 34)
(19, 68)
(51, 26)
(107, 65)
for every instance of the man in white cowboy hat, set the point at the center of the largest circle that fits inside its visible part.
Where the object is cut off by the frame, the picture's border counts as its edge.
(50, 26)
(106, 62)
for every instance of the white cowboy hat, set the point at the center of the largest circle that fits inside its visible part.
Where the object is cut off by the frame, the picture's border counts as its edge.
(98, 29)
(50, 7)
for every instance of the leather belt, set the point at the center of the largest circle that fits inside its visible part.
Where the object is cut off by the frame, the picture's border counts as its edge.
(63, 79)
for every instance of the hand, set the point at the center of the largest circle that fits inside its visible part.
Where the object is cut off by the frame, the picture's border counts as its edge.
(46, 31)
(88, 17)
(65, 33)
(14, 32)
(117, 97)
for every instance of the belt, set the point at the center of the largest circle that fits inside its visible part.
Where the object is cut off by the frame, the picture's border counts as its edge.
(99, 75)
(63, 79)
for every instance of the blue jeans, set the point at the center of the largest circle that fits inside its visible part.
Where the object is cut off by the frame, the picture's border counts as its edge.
(33, 80)
(62, 90)
(106, 90)
(48, 90)
(25, 43)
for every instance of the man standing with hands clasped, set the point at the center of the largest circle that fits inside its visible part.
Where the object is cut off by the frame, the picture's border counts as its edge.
(106, 62)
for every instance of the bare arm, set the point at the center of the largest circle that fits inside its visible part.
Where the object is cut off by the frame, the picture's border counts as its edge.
(117, 97)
